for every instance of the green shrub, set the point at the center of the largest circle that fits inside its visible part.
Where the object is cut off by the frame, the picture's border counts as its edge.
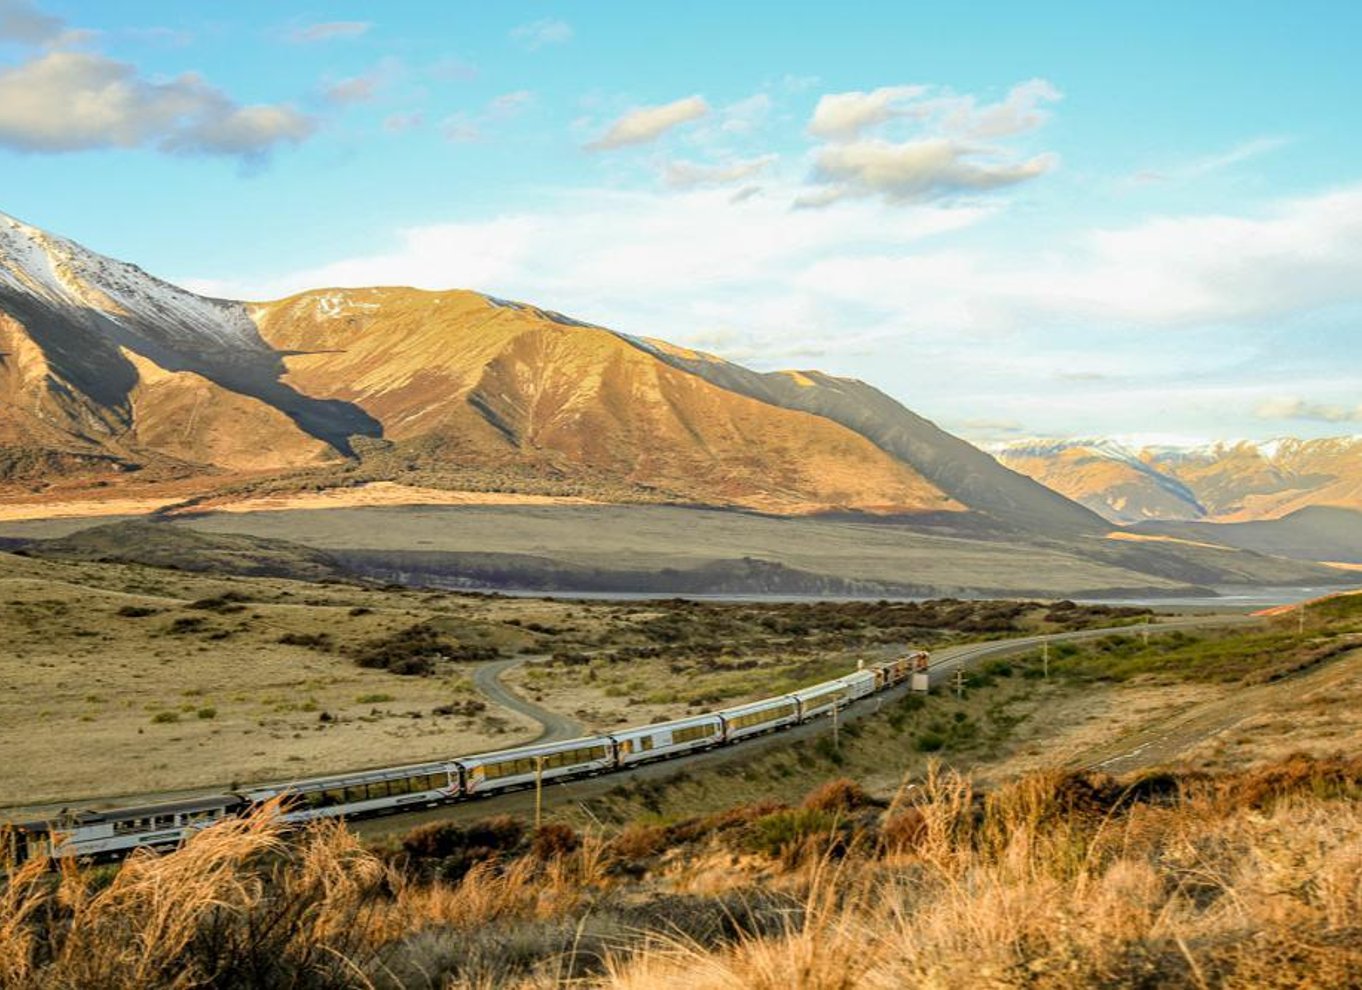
(207, 712)
(163, 718)
(929, 742)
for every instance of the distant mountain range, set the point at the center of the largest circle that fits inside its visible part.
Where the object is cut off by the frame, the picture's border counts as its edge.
(1228, 482)
(107, 372)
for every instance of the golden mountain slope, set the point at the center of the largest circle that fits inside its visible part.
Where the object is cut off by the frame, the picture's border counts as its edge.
(1120, 488)
(477, 380)
(1242, 482)
(1224, 482)
(184, 415)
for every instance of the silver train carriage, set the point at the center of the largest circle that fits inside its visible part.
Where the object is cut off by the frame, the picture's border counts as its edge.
(109, 834)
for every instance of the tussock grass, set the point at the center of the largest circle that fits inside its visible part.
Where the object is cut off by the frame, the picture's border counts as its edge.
(1060, 879)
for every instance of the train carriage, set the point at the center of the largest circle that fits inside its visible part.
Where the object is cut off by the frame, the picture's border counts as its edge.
(487, 773)
(663, 739)
(821, 699)
(109, 834)
(115, 833)
(370, 792)
(860, 684)
(758, 717)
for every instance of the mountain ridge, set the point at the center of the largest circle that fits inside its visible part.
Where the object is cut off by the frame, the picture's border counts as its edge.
(1230, 481)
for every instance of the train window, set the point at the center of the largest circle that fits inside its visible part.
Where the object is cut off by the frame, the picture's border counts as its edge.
(315, 799)
(378, 789)
(401, 785)
(354, 793)
(646, 743)
(689, 733)
(436, 781)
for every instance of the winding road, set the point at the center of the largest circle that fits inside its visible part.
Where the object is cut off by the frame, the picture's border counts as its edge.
(944, 664)
(556, 727)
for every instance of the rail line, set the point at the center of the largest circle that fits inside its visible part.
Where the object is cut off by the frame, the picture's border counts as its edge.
(402, 790)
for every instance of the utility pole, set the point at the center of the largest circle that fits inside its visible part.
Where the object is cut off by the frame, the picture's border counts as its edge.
(959, 682)
(1301, 619)
(538, 790)
(1145, 631)
(836, 743)
(1045, 656)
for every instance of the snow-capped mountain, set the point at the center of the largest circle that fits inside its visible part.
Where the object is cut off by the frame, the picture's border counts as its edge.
(1222, 481)
(62, 275)
(104, 368)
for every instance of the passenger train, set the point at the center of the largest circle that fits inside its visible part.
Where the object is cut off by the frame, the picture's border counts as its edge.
(115, 833)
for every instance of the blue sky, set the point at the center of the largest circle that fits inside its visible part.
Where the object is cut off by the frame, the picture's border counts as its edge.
(1056, 219)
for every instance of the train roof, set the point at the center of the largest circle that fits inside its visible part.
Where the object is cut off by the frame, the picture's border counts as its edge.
(357, 776)
(536, 749)
(189, 806)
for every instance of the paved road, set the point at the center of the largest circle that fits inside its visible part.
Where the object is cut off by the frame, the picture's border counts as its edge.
(487, 679)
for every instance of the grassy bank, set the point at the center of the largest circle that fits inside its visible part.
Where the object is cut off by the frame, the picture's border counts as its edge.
(1056, 880)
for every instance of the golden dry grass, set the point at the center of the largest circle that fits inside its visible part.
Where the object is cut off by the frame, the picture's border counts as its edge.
(1251, 879)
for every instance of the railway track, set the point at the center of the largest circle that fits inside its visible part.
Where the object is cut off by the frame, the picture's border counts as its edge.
(944, 664)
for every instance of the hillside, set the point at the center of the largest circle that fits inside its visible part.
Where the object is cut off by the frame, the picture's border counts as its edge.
(109, 372)
(1223, 482)
(1314, 533)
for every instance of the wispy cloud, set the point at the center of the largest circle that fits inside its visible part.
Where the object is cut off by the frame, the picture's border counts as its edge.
(1303, 409)
(644, 124)
(542, 33)
(1209, 164)
(465, 127)
(913, 171)
(306, 34)
(955, 144)
(72, 101)
(682, 174)
(356, 89)
(843, 116)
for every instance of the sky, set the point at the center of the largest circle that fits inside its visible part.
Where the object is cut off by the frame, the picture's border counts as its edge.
(1043, 219)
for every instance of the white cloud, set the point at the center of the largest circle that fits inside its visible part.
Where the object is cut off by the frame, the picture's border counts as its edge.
(681, 174)
(915, 170)
(953, 143)
(645, 124)
(357, 89)
(327, 31)
(25, 24)
(843, 116)
(69, 101)
(542, 33)
(1209, 164)
(746, 115)
(466, 127)
(1020, 111)
(1190, 270)
(1302, 409)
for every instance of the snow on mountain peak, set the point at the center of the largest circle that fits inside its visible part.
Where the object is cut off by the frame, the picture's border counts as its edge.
(62, 274)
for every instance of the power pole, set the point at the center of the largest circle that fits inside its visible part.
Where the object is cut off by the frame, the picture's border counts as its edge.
(538, 790)
(1045, 656)
(959, 682)
(1145, 631)
(836, 743)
